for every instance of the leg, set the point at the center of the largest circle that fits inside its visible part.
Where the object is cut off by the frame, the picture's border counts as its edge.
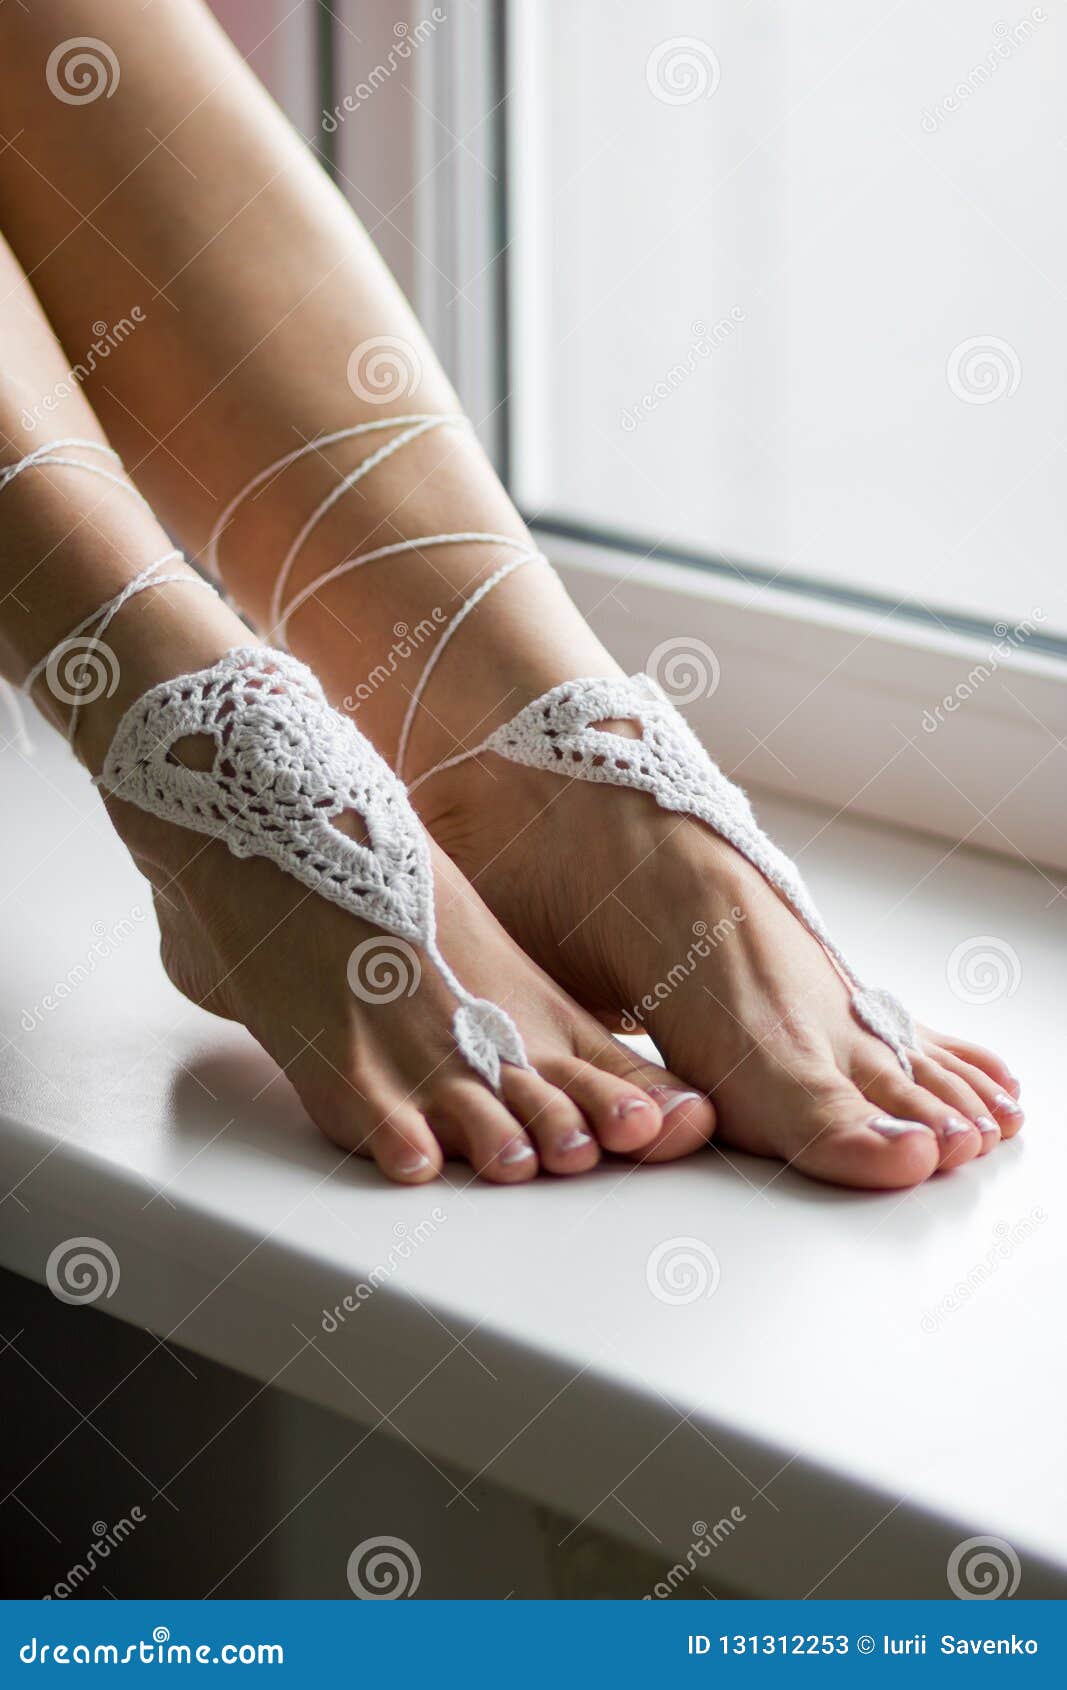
(257, 355)
(378, 1071)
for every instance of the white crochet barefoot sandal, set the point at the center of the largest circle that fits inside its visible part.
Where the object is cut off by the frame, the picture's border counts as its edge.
(285, 766)
(559, 731)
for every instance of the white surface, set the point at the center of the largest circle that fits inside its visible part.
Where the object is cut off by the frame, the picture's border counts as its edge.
(855, 250)
(520, 1337)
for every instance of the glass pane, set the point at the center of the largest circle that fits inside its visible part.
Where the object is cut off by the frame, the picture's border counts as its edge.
(788, 286)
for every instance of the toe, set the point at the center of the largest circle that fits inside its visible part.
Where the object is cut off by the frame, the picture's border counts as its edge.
(404, 1147)
(950, 1117)
(621, 1115)
(846, 1142)
(370, 1120)
(961, 1098)
(469, 1121)
(999, 1104)
(685, 1117)
(977, 1056)
(552, 1120)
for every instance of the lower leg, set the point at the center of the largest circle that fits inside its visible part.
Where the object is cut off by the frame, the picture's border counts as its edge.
(378, 1070)
(764, 1022)
(255, 283)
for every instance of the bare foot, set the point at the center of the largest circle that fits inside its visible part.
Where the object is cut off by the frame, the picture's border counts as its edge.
(365, 1031)
(645, 916)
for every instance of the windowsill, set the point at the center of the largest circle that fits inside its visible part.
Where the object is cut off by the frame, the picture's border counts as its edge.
(920, 727)
(827, 1390)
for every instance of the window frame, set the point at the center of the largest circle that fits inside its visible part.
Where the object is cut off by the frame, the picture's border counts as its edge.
(825, 694)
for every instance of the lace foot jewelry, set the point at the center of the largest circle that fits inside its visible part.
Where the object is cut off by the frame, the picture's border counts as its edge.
(560, 730)
(286, 765)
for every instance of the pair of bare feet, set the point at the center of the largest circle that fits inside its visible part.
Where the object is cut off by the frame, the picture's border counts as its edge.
(761, 1047)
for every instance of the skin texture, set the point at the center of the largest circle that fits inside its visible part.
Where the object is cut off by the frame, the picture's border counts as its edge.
(248, 942)
(102, 213)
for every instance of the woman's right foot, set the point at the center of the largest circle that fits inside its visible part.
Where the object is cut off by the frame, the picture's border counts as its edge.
(360, 1021)
(376, 1066)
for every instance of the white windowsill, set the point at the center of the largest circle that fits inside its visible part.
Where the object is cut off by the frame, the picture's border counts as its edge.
(816, 700)
(808, 1391)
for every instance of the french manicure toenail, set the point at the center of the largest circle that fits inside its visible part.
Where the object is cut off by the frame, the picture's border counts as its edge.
(669, 1099)
(516, 1151)
(954, 1126)
(629, 1106)
(414, 1165)
(575, 1139)
(1007, 1105)
(890, 1127)
(986, 1124)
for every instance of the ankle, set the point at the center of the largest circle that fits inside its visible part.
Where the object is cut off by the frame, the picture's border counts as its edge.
(158, 635)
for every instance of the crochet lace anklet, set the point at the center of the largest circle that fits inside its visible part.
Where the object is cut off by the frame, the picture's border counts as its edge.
(286, 765)
(79, 651)
(559, 731)
(280, 613)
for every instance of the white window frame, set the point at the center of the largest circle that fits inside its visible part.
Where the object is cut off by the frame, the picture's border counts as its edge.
(817, 699)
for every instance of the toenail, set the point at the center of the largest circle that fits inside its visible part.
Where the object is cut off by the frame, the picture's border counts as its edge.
(890, 1127)
(575, 1139)
(986, 1124)
(669, 1099)
(516, 1151)
(414, 1165)
(953, 1126)
(630, 1106)
(1007, 1105)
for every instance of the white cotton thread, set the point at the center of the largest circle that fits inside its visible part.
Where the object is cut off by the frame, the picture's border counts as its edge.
(558, 732)
(285, 766)
(98, 622)
(411, 428)
(52, 453)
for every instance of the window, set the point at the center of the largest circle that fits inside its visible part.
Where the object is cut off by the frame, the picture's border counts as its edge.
(758, 309)
(788, 292)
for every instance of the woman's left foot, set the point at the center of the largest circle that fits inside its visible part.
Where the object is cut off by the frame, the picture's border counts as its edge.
(650, 919)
